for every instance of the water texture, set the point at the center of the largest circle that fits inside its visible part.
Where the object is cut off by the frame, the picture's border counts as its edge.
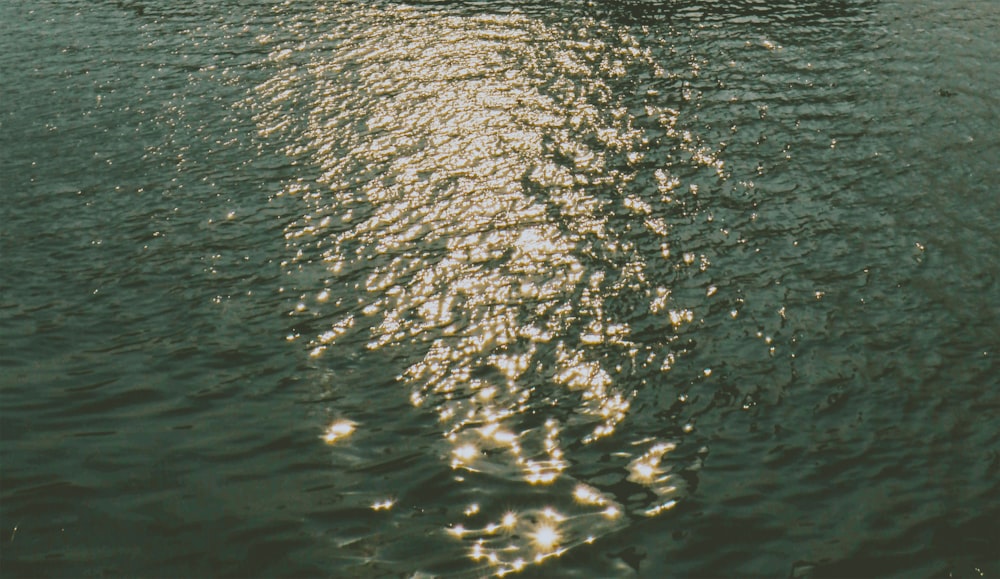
(467, 289)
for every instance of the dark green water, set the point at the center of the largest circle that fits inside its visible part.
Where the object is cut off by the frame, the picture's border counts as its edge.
(605, 289)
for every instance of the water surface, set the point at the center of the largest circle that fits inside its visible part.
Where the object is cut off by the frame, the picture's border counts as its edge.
(462, 289)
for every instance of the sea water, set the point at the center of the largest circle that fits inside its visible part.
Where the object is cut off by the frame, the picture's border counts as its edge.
(365, 289)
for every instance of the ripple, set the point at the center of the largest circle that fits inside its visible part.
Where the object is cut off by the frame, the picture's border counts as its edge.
(476, 189)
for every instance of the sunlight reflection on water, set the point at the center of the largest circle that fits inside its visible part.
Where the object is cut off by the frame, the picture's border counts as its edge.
(520, 296)
(478, 172)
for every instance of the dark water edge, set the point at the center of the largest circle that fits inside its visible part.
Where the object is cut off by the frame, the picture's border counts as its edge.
(168, 292)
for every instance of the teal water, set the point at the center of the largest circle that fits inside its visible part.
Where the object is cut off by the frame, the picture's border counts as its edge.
(365, 289)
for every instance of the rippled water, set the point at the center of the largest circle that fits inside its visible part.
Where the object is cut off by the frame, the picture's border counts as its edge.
(677, 288)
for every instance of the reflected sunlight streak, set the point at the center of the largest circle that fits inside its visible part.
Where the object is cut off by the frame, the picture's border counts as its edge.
(476, 192)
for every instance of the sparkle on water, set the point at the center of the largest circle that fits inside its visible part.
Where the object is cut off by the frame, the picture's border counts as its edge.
(534, 264)
(503, 288)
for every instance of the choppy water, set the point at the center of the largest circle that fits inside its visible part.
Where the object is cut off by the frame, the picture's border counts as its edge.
(679, 288)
